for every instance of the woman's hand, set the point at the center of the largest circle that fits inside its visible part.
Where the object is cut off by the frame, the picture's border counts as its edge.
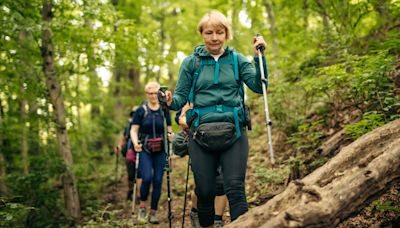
(182, 117)
(138, 147)
(171, 136)
(258, 41)
(168, 95)
(182, 122)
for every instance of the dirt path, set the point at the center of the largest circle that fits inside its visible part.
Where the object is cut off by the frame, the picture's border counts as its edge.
(177, 180)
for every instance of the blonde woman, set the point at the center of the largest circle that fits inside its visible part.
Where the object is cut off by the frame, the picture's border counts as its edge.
(147, 137)
(211, 79)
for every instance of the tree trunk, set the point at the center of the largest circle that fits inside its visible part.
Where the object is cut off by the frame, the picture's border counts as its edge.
(171, 66)
(22, 39)
(34, 129)
(23, 132)
(3, 186)
(382, 8)
(324, 15)
(333, 145)
(70, 188)
(118, 73)
(78, 103)
(272, 28)
(162, 43)
(305, 14)
(360, 173)
(94, 81)
(134, 78)
(235, 24)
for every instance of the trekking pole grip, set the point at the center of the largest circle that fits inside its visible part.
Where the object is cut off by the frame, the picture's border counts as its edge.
(260, 47)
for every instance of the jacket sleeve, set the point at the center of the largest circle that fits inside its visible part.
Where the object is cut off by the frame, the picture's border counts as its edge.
(178, 113)
(183, 84)
(251, 74)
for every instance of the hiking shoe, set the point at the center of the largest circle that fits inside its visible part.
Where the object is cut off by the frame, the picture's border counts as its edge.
(153, 218)
(218, 223)
(142, 216)
(129, 195)
(194, 219)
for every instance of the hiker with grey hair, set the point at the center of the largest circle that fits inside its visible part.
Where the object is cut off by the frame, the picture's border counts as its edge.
(147, 134)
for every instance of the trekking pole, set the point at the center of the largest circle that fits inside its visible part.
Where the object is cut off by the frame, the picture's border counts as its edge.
(186, 189)
(264, 82)
(135, 183)
(164, 109)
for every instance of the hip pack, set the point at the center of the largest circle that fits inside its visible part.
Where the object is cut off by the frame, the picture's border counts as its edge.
(154, 145)
(215, 137)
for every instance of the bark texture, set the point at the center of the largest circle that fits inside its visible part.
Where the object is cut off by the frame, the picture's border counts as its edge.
(71, 195)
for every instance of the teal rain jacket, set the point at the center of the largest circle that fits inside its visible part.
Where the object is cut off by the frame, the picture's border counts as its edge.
(209, 91)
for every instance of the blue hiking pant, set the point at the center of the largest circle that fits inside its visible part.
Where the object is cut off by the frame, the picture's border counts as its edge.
(151, 166)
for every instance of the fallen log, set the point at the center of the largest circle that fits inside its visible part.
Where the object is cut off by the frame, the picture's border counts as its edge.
(333, 144)
(357, 175)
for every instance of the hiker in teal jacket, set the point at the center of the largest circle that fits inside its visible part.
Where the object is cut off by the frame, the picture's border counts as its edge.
(212, 80)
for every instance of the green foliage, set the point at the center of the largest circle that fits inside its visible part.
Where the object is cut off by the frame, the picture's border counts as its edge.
(257, 129)
(13, 214)
(386, 206)
(308, 137)
(266, 175)
(318, 162)
(37, 189)
(369, 122)
(105, 217)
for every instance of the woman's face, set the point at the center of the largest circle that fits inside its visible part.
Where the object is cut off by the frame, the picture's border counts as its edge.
(214, 37)
(151, 95)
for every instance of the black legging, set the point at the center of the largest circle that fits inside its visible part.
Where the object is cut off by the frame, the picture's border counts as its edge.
(130, 167)
(204, 165)
(219, 183)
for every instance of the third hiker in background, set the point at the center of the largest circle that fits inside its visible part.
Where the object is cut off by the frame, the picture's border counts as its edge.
(211, 79)
(127, 147)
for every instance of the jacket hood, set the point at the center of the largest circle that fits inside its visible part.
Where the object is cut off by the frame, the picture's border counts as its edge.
(201, 50)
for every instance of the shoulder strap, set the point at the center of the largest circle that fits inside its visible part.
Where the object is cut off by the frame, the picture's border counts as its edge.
(146, 110)
(197, 68)
(235, 65)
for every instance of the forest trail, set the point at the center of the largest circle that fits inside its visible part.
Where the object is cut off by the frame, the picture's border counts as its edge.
(369, 216)
(122, 207)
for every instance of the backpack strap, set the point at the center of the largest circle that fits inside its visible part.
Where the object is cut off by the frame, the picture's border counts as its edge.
(198, 66)
(146, 110)
(235, 65)
(236, 73)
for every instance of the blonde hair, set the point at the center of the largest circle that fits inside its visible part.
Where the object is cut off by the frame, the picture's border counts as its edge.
(149, 85)
(215, 18)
